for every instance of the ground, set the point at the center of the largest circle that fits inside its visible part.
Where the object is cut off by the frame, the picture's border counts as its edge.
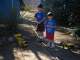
(34, 51)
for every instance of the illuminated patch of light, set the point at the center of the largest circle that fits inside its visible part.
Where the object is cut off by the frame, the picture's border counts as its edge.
(1, 58)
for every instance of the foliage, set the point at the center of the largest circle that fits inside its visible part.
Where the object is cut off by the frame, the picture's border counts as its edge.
(66, 11)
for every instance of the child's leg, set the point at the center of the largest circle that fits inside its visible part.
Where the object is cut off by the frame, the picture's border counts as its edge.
(50, 37)
(48, 44)
(39, 32)
(44, 33)
(41, 29)
(52, 44)
(52, 41)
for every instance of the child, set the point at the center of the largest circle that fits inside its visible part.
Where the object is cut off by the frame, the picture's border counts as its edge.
(40, 17)
(50, 26)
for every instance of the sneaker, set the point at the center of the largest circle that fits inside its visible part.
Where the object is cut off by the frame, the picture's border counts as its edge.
(48, 44)
(52, 45)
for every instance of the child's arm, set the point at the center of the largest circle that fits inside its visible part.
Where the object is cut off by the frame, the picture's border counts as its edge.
(35, 16)
(43, 18)
(49, 26)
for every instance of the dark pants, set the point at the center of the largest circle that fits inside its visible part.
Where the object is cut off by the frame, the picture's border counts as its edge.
(40, 27)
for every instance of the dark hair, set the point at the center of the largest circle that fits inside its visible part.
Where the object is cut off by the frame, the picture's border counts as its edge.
(40, 6)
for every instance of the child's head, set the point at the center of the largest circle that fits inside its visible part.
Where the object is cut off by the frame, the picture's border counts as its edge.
(40, 7)
(50, 15)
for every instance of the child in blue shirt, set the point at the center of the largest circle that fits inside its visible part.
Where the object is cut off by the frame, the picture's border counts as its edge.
(40, 17)
(50, 27)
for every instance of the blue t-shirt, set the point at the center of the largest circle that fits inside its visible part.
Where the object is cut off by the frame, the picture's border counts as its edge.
(51, 23)
(39, 16)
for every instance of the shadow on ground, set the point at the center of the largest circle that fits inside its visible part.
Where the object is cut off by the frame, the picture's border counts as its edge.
(36, 48)
(6, 52)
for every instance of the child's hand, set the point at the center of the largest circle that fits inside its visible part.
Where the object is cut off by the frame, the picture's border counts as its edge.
(37, 22)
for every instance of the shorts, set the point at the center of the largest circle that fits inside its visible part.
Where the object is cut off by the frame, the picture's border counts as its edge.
(50, 36)
(40, 27)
